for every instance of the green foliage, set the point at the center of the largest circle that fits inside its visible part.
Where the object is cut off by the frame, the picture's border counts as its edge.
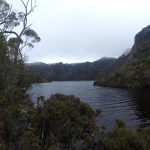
(29, 141)
(54, 147)
(124, 139)
(32, 77)
(133, 70)
(121, 139)
(2, 145)
(120, 123)
(4, 61)
(65, 119)
(79, 71)
(58, 122)
(13, 72)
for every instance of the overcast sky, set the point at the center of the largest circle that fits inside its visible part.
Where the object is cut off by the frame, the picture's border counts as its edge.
(85, 30)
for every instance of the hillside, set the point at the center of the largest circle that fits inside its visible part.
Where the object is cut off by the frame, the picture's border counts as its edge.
(131, 69)
(78, 71)
(134, 70)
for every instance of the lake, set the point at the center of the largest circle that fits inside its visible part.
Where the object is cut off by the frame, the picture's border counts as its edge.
(130, 105)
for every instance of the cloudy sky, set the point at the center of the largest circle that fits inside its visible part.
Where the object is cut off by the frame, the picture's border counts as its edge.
(85, 30)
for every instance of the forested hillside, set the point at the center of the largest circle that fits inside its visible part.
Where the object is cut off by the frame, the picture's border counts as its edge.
(134, 71)
(131, 69)
(78, 71)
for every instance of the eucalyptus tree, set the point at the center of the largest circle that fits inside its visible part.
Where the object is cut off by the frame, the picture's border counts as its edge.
(18, 35)
(10, 20)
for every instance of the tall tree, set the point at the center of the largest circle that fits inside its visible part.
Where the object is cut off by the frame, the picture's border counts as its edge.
(17, 33)
(10, 20)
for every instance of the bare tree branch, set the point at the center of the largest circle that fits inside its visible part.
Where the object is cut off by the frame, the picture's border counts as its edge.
(11, 32)
(9, 25)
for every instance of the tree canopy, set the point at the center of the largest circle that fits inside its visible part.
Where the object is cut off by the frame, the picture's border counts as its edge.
(16, 35)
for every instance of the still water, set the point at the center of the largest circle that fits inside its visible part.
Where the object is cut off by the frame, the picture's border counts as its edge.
(130, 105)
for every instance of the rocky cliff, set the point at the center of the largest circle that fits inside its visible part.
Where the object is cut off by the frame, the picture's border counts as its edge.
(134, 69)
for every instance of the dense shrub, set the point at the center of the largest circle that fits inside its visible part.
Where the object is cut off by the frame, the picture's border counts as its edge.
(62, 123)
(65, 120)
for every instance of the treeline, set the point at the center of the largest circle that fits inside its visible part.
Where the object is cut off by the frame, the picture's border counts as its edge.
(78, 71)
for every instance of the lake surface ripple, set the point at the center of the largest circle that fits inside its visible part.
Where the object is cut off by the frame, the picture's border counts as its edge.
(130, 105)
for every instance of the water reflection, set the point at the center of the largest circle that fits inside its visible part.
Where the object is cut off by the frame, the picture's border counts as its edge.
(141, 100)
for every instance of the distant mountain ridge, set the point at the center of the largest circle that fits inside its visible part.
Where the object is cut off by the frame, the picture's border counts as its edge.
(131, 69)
(76, 71)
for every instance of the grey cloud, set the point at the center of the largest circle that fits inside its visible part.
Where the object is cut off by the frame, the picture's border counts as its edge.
(85, 30)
